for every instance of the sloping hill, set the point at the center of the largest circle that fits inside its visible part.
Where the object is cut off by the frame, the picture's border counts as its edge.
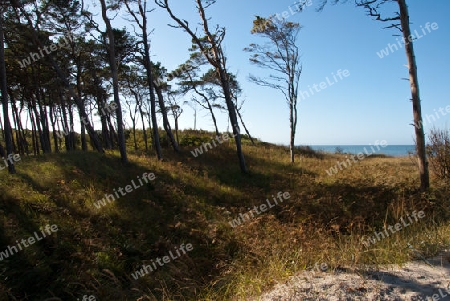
(96, 250)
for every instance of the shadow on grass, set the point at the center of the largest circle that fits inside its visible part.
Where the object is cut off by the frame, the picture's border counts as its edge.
(96, 250)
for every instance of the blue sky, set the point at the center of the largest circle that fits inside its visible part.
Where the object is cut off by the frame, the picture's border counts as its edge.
(372, 103)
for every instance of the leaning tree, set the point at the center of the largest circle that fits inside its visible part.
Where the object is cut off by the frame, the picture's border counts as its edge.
(400, 21)
(210, 44)
(281, 55)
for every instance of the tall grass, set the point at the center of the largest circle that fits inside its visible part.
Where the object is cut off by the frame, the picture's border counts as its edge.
(192, 201)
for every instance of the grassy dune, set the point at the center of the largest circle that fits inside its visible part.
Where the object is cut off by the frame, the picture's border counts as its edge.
(191, 201)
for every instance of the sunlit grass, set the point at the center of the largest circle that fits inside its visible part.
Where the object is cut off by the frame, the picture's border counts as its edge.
(192, 200)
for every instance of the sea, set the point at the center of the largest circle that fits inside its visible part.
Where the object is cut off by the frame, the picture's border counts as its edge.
(389, 150)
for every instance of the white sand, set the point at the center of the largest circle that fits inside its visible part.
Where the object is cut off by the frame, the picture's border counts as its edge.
(413, 281)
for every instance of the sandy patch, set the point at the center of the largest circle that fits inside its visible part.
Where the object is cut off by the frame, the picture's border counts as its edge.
(414, 281)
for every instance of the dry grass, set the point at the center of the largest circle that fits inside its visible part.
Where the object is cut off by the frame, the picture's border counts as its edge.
(192, 201)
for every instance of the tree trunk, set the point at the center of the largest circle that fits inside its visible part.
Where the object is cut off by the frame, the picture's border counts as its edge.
(105, 133)
(38, 124)
(80, 91)
(16, 120)
(4, 90)
(106, 136)
(44, 122)
(73, 142)
(155, 136)
(66, 127)
(83, 135)
(23, 140)
(143, 127)
(53, 121)
(176, 129)
(150, 128)
(34, 138)
(417, 109)
(24, 133)
(233, 119)
(148, 68)
(166, 123)
(115, 78)
(133, 127)
(112, 132)
(292, 138)
(243, 124)
(210, 109)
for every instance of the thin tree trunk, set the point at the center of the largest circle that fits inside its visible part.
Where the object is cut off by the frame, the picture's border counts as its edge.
(44, 123)
(417, 109)
(83, 135)
(148, 67)
(1, 128)
(166, 123)
(233, 119)
(292, 137)
(19, 148)
(112, 132)
(176, 129)
(150, 128)
(52, 121)
(34, 138)
(18, 125)
(243, 124)
(79, 91)
(14, 146)
(38, 124)
(210, 109)
(115, 78)
(133, 127)
(105, 133)
(143, 127)
(106, 136)
(71, 130)
(66, 127)
(23, 133)
(4, 90)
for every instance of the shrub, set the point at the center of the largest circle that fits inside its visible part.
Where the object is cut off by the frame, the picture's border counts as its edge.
(338, 150)
(438, 152)
(308, 152)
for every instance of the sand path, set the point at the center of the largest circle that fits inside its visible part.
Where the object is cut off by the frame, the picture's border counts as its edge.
(418, 280)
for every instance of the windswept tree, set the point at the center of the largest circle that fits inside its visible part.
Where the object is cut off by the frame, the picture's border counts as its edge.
(160, 87)
(279, 54)
(140, 17)
(210, 44)
(400, 20)
(37, 37)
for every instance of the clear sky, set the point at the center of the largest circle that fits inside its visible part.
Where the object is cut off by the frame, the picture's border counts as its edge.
(371, 103)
